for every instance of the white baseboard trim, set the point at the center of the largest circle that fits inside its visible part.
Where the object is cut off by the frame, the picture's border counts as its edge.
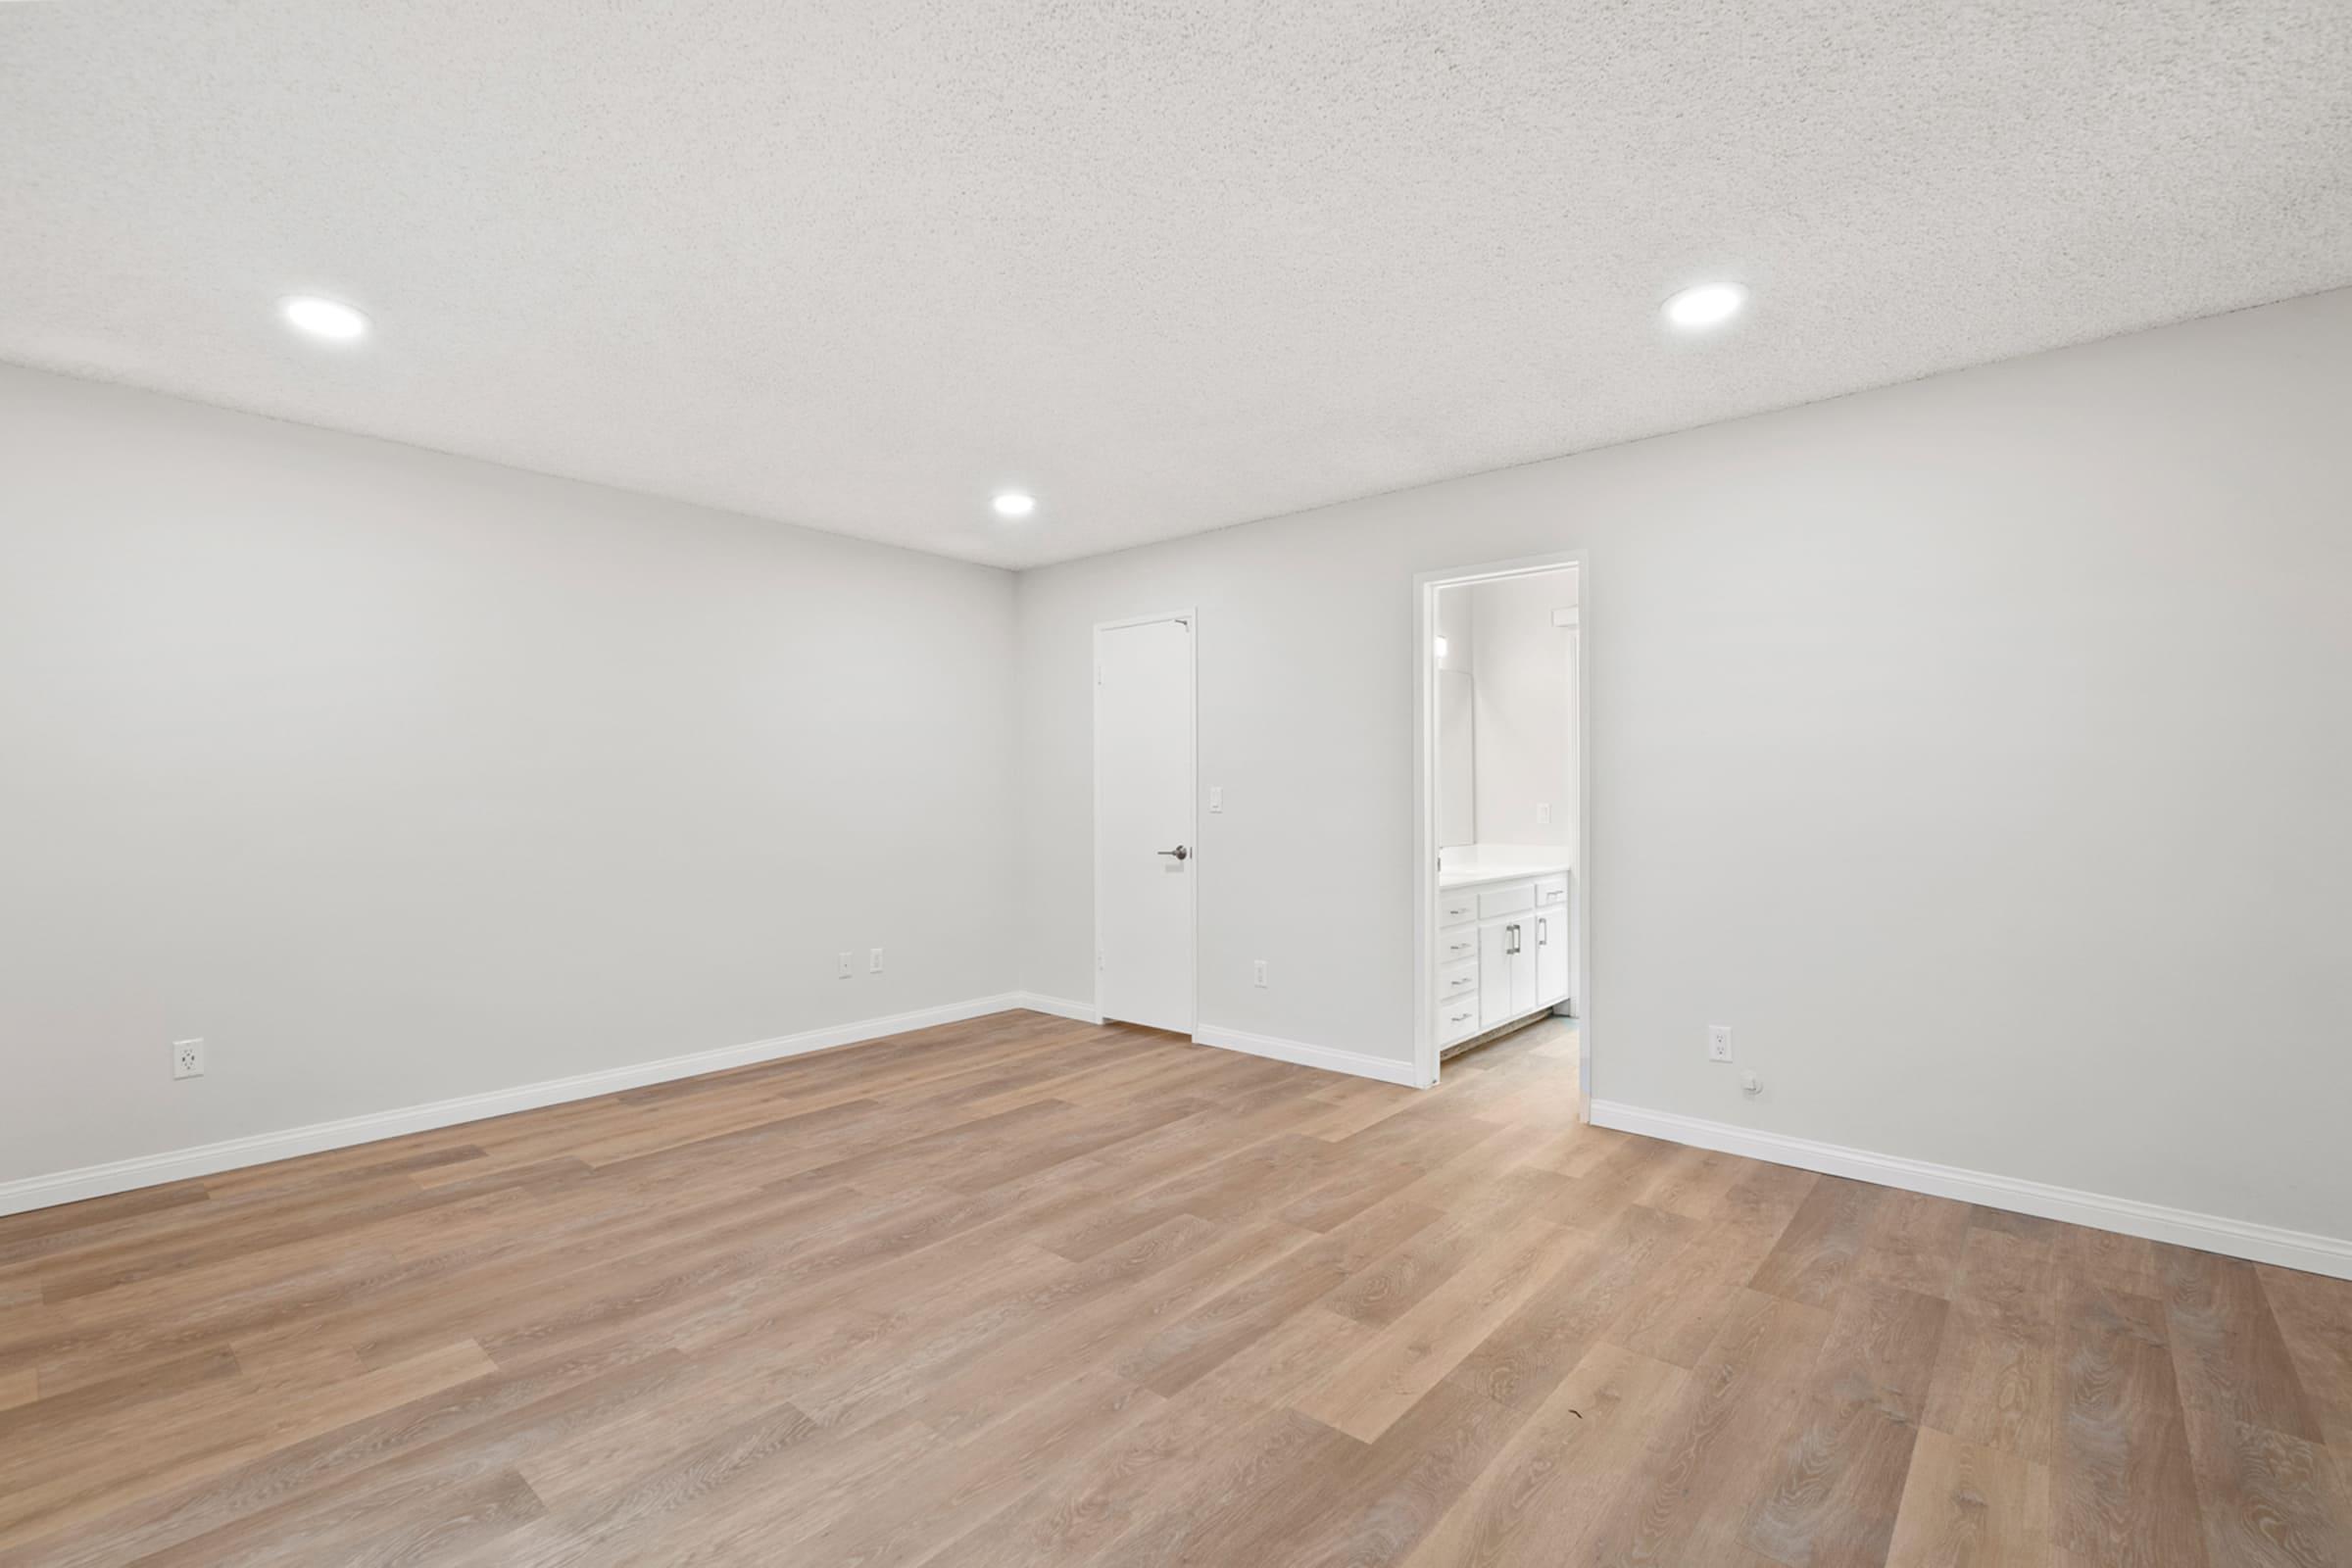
(1058, 1006)
(1356, 1063)
(2263, 1243)
(259, 1148)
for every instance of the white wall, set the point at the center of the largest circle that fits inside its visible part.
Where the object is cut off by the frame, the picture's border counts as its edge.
(1526, 726)
(1978, 749)
(399, 777)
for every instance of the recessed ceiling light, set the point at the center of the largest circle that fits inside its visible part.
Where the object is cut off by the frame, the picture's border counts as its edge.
(1014, 504)
(1708, 305)
(323, 318)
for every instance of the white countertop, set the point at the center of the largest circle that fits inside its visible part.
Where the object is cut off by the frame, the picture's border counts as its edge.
(1467, 867)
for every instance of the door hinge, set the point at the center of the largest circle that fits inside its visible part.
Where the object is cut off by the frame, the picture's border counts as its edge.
(1098, 958)
(1097, 672)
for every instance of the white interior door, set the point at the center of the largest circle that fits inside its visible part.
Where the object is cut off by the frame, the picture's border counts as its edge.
(1144, 847)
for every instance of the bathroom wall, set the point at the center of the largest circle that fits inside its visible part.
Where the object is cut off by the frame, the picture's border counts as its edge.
(1525, 745)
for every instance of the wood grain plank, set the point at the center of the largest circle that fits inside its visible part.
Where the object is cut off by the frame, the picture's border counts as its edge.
(1196, 1344)
(1251, 1485)
(2266, 1498)
(1846, 1454)
(1393, 1283)
(2228, 1355)
(94, 1213)
(426, 1520)
(1544, 1488)
(1365, 1395)
(2123, 1487)
(1209, 1443)
(2314, 1320)
(1678, 1312)
(2109, 1260)
(1373, 1507)
(1695, 1182)
(473, 1429)
(1818, 1251)
(1996, 1382)
(1966, 1506)
(73, 1485)
(1915, 1242)
(947, 1490)
(1710, 1456)
(1528, 1352)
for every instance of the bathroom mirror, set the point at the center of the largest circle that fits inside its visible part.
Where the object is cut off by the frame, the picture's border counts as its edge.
(1457, 750)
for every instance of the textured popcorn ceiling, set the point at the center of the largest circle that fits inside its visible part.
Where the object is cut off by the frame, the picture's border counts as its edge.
(854, 264)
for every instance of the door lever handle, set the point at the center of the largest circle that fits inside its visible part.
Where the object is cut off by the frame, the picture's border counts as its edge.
(1179, 851)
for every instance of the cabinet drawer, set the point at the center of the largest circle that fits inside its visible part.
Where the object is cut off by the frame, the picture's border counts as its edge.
(1455, 945)
(1457, 1019)
(1508, 899)
(1457, 980)
(1455, 907)
(1551, 891)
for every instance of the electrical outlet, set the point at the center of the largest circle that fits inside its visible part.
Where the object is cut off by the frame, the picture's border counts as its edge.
(844, 965)
(873, 961)
(1257, 973)
(1719, 1042)
(187, 1058)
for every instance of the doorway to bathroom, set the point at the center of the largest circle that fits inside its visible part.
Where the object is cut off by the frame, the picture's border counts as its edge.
(1501, 768)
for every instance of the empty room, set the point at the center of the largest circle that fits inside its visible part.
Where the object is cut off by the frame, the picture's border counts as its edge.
(875, 784)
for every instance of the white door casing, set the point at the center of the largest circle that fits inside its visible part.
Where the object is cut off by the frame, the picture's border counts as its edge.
(1143, 816)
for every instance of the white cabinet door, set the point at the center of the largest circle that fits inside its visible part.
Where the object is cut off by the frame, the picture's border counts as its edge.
(1495, 961)
(1506, 970)
(1523, 963)
(1552, 954)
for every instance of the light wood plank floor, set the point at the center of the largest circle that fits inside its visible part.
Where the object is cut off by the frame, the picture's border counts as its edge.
(1025, 1292)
